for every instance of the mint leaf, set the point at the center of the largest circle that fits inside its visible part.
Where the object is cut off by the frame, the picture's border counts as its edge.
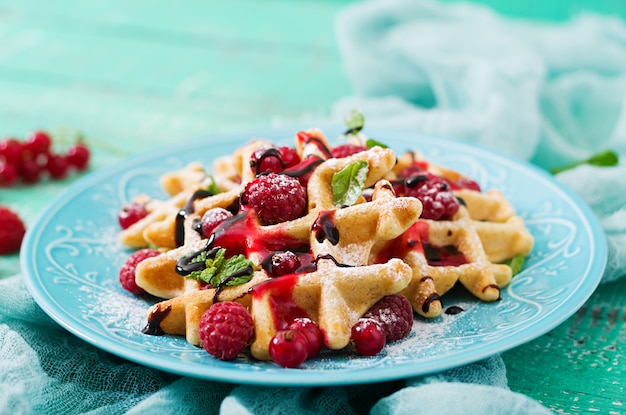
(213, 186)
(232, 267)
(347, 184)
(220, 271)
(604, 159)
(211, 266)
(355, 122)
(373, 143)
(516, 263)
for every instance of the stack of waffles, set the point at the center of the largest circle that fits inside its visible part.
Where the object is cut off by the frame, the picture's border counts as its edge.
(352, 255)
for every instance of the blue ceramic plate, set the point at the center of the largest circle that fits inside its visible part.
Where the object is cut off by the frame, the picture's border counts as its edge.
(71, 258)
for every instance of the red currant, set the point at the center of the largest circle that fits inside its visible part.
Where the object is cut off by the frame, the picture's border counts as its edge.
(289, 348)
(8, 174)
(212, 218)
(11, 151)
(30, 171)
(57, 166)
(78, 156)
(131, 214)
(39, 142)
(368, 337)
(312, 332)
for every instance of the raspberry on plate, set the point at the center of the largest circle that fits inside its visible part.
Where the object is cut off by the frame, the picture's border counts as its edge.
(435, 194)
(127, 272)
(12, 231)
(225, 329)
(394, 313)
(275, 198)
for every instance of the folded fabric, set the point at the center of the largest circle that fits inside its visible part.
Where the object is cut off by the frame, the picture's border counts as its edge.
(550, 94)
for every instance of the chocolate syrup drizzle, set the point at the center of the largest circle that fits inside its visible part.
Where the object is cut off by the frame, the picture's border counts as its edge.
(179, 231)
(324, 228)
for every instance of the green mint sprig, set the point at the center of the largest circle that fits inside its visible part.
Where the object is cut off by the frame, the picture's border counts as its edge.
(219, 270)
(604, 159)
(373, 143)
(347, 184)
(355, 122)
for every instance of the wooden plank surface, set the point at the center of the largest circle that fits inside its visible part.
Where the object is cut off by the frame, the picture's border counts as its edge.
(135, 75)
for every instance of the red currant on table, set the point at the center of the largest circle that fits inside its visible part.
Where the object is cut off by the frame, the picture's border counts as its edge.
(39, 142)
(78, 156)
(11, 151)
(8, 174)
(12, 231)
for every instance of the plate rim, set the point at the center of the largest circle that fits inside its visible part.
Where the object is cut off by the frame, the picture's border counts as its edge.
(289, 376)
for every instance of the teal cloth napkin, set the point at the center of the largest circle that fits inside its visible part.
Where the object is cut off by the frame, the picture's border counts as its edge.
(545, 93)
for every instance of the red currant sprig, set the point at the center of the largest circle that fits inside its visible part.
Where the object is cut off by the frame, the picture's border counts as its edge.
(31, 160)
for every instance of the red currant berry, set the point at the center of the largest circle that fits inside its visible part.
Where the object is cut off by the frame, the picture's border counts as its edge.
(466, 183)
(212, 218)
(266, 160)
(57, 166)
(131, 214)
(368, 337)
(312, 332)
(30, 171)
(38, 143)
(289, 155)
(8, 174)
(11, 151)
(282, 263)
(78, 156)
(289, 348)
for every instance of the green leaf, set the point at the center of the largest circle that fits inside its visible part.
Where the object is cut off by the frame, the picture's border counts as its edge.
(373, 143)
(213, 186)
(355, 122)
(516, 263)
(604, 159)
(220, 270)
(347, 184)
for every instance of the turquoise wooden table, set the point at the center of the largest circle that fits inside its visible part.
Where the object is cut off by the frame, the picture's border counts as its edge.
(132, 76)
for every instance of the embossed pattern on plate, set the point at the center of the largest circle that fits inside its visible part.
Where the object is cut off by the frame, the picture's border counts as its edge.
(71, 258)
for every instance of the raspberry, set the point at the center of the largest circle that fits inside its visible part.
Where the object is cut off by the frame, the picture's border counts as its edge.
(289, 348)
(127, 271)
(394, 314)
(130, 214)
(12, 231)
(225, 329)
(281, 263)
(275, 198)
(212, 218)
(435, 194)
(368, 337)
(345, 150)
(312, 332)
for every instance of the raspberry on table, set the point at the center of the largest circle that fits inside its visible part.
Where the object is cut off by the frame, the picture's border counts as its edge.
(12, 231)
(275, 198)
(395, 315)
(127, 271)
(225, 329)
